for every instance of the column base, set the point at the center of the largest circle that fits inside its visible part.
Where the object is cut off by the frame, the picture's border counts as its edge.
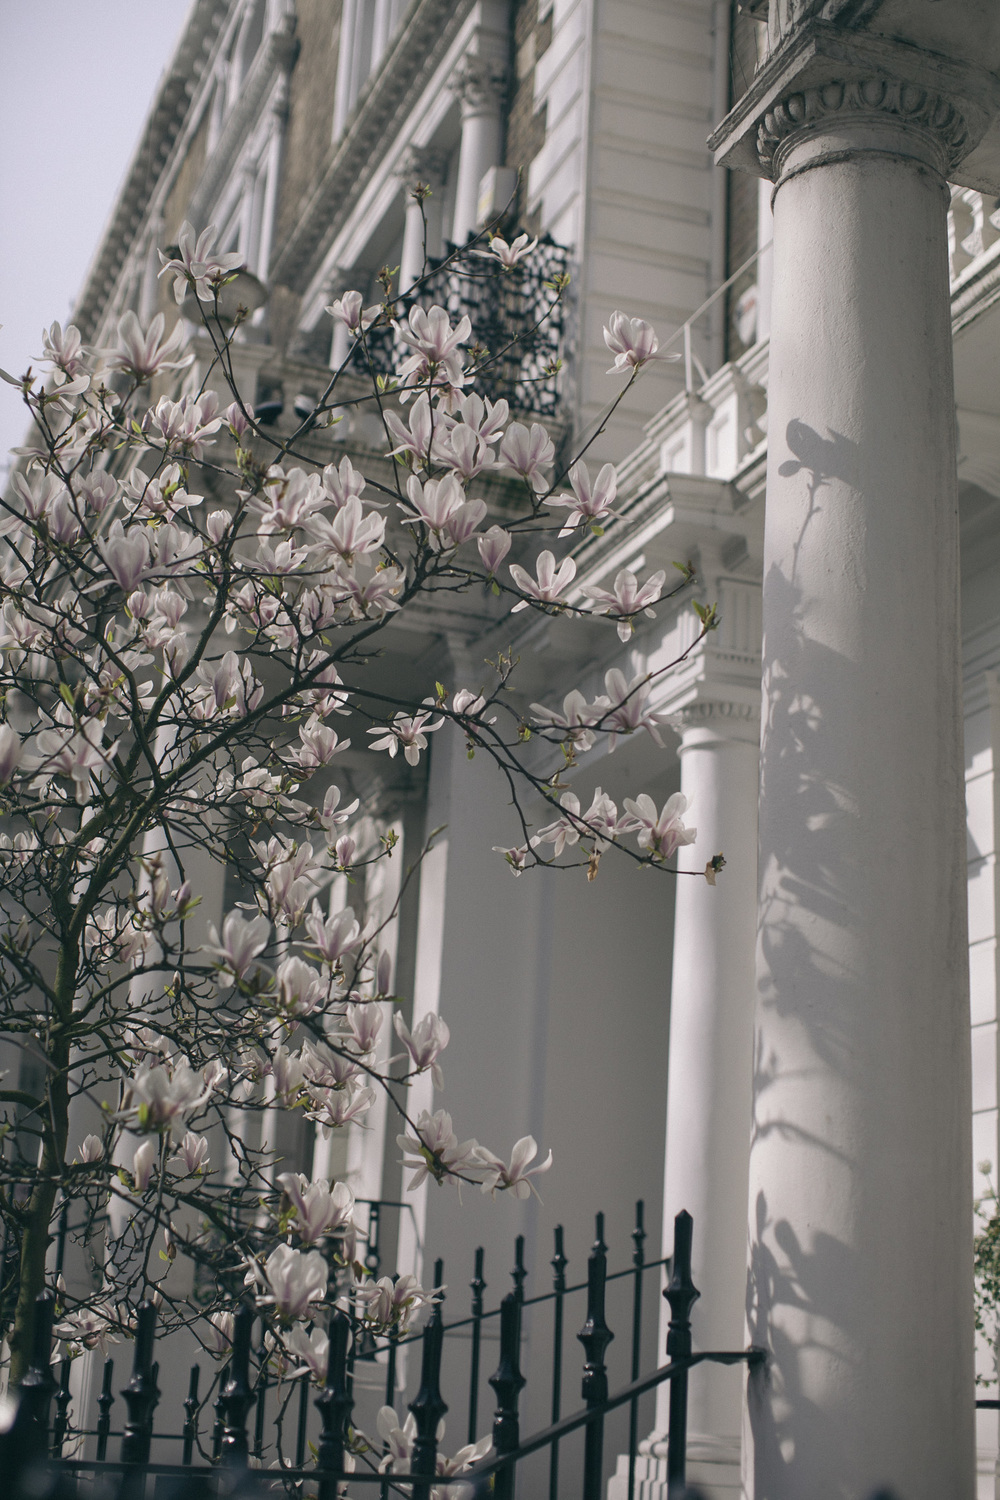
(713, 1468)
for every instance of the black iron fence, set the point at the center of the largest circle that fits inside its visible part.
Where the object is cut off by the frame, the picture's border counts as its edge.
(518, 325)
(231, 1435)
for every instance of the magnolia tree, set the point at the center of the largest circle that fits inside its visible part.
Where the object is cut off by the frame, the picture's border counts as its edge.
(176, 680)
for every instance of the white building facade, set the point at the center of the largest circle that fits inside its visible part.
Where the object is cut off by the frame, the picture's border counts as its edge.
(804, 1025)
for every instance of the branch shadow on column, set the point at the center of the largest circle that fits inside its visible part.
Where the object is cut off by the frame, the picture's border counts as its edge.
(802, 893)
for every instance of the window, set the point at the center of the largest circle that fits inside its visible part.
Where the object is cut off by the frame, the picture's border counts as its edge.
(366, 30)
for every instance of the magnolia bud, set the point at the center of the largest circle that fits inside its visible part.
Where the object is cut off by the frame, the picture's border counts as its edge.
(215, 525)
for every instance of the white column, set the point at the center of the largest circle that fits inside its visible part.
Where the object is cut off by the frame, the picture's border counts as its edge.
(479, 84)
(860, 1278)
(279, 114)
(709, 1084)
(421, 164)
(711, 1068)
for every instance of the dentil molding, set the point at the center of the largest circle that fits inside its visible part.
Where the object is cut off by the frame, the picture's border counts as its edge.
(706, 711)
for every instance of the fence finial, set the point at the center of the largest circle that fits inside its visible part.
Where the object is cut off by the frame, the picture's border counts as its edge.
(190, 1432)
(31, 1424)
(141, 1394)
(682, 1294)
(428, 1405)
(519, 1272)
(334, 1404)
(237, 1393)
(478, 1286)
(105, 1402)
(595, 1336)
(508, 1382)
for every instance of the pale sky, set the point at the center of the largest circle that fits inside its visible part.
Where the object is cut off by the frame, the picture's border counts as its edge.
(77, 78)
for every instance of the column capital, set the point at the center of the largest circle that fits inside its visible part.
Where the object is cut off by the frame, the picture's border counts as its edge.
(706, 722)
(422, 164)
(822, 77)
(479, 84)
(876, 99)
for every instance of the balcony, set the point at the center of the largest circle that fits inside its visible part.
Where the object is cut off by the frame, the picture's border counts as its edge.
(518, 327)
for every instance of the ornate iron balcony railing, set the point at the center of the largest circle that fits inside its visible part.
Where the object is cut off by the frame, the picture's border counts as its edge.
(518, 326)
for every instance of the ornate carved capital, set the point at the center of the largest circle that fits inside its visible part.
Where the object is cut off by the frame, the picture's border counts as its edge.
(876, 99)
(422, 164)
(479, 83)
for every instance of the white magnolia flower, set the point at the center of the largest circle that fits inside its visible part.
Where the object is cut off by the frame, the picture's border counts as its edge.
(143, 1163)
(349, 311)
(575, 723)
(407, 731)
(293, 1279)
(527, 453)
(334, 937)
(320, 1208)
(425, 1043)
(516, 1174)
(219, 1340)
(342, 482)
(126, 555)
(365, 1022)
(234, 954)
(590, 502)
(147, 354)
(287, 1073)
(435, 1150)
(301, 989)
(516, 857)
(165, 1096)
(10, 753)
(350, 534)
(509, 255)
(91, 1148)
(563, 831)
(191, 1156)
(633, 342)
(431, 335)
(334, 1108)
(493, 548)
(389, 1303)
(319, 745)
(626, 710)
(423, 438)
(662, 833)
(549, 582)
(197, 264)
(626, 599)
(311, 1349)
(65, 351)
(88, 1328)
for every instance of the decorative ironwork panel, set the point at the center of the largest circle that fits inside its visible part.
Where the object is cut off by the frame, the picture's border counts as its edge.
(518, 326)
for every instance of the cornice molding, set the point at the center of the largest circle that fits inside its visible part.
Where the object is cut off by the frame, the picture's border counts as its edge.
(873, 99)
(379, 118)
(274, 61)
(174, 101)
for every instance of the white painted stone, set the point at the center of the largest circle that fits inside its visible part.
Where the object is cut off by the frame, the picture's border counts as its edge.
(860, 1166)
